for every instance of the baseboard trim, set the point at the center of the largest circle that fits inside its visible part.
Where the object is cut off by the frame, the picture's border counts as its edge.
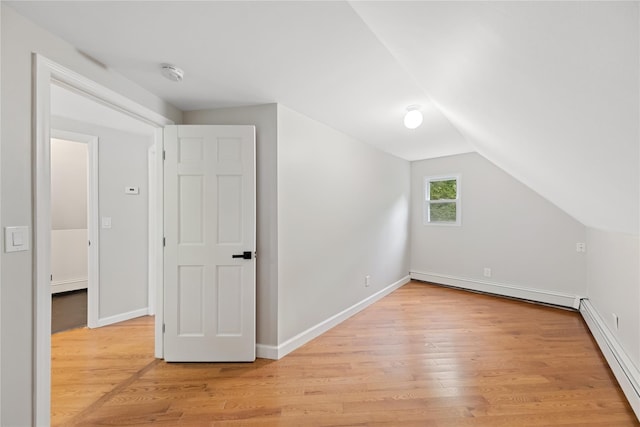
(620, 363)
(503, 289)
(264, 351)
(69, 285)
(278, 352)
(122, 317)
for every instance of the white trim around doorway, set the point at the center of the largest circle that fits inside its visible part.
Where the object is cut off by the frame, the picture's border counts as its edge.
(93, 280)
(45, 73)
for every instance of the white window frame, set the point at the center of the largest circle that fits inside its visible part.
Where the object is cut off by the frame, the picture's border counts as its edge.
(427, 201)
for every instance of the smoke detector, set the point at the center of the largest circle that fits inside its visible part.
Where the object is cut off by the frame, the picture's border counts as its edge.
(172, 72)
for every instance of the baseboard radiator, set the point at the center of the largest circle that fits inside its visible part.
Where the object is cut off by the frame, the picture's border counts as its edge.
(58, 286)
(623, 368)
(502, 289)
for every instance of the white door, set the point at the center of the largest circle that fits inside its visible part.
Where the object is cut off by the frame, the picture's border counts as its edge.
(209, 214)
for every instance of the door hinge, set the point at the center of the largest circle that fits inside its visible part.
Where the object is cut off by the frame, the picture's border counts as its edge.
(164, 328)
(164, 241)
(164, 154)
(89, 242)
(52, 277)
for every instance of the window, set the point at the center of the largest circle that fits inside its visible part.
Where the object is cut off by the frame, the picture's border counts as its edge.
(442, 200)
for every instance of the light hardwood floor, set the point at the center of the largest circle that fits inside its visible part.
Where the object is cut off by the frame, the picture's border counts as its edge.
(423, 356)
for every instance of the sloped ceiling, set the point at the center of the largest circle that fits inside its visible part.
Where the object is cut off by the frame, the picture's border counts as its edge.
(548, 91)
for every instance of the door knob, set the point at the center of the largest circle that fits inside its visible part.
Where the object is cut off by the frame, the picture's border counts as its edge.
(243, 255)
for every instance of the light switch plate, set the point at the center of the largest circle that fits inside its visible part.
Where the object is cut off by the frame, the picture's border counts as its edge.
(16, 239)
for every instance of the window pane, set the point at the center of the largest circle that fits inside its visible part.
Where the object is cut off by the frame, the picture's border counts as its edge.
(443, 212)
(439, 190)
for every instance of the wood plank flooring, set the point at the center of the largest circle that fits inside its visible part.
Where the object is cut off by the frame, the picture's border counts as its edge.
(423, 356)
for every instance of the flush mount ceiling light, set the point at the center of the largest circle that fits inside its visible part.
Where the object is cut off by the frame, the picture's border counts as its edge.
(413, 118)
(172, 72)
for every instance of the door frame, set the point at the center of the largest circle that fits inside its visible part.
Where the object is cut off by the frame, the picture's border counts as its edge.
(46, 72)
(93, 277)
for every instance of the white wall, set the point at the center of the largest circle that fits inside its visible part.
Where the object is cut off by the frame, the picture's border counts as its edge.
(613, 285)
(525, 240)
(69, 161)
(69, 267)
(122, 162)
(264, 118)
(69, 260)
(343, 213)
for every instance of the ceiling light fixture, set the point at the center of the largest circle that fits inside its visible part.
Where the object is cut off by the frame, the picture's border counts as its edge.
(413, 118)
(172, 72)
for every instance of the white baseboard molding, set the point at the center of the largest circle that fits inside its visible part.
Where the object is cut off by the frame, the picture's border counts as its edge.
(623, 368)
(278, 352)
(122, 317)
(503, 289)
(68, 285)
(264, 351)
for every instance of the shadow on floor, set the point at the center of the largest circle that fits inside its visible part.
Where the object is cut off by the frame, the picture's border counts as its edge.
(68, 310)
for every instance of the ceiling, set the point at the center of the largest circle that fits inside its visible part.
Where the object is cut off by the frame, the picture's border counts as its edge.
(548, 91)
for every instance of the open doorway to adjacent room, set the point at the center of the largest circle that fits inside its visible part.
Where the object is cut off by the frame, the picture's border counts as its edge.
(129, 176)
(102, 218)
(72, 174)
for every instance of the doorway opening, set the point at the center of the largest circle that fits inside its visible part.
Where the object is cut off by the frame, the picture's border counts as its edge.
(48, 74)
(120, 213)
(71, 216)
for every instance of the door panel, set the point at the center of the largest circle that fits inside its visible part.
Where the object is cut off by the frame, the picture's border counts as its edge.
(209, 218)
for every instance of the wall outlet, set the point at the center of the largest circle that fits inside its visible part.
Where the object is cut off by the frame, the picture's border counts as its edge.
(581, 247)
(367, 281)
(616, 321)
(487, 272)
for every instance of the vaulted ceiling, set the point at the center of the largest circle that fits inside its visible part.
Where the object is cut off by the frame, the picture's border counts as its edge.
(548, 91)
